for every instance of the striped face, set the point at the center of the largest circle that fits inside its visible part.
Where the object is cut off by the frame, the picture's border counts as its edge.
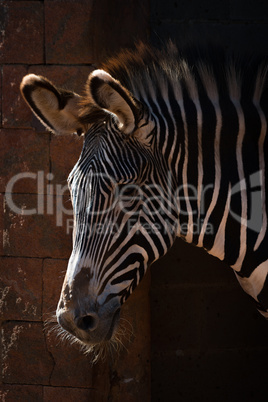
(121, 227)
(124, 218)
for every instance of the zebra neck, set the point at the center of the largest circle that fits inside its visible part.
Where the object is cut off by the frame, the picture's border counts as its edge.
(221, 181)
(211, 123)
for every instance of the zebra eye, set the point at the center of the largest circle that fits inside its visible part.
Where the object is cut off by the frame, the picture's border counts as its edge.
(127, 190)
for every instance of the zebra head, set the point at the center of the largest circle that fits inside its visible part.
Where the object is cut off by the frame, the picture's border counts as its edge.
(124, 214)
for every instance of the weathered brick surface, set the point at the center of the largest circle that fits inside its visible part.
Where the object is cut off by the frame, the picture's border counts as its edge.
(114, 24)
(20, 289)
(73, 395)
(208, 343)
(85, 32)
(22, 393)
(37, 235)
(14, 112)
(0, 98)
(76, 32)
(22, 154)
(53, 276)
(67, 356)
(2, 229)
(25, 359)
(69, 77)
(21, 32)
(131, 371)
(67, 26)
(64, 153)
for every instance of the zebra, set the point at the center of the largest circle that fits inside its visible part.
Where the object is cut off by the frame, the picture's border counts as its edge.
(174, 145)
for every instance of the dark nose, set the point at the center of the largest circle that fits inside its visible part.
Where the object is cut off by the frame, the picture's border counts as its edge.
(71, 320)
(87, 322)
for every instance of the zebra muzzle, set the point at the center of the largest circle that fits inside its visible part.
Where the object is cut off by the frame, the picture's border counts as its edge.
(91, 328)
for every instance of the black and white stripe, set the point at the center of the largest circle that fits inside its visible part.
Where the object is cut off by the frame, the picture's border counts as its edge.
(210, 124)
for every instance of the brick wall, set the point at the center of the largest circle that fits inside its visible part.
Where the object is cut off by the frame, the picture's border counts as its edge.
(207, 341)
(61, 40)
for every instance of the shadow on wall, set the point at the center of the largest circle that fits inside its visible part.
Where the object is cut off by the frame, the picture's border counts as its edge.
(235, 24)
(208, 342)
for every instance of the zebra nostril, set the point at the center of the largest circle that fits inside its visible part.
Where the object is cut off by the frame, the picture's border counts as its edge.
(87, 322)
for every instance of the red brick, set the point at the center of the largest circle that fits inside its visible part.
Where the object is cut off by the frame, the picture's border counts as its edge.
(21, 32)
(72, 78)
(37, 235)
(21, 289)
(72, 395)
(25, 359)
(117, 24)
(67, 32)
(1, 223)
(1, 98)
(91, 31)
(15, 112)
(131, 370)
(53, 276)
(67, 356)
(23, 152)
(22, 393)
(64, 153)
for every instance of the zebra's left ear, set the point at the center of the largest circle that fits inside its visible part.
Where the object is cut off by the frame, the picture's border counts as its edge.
(107, 93)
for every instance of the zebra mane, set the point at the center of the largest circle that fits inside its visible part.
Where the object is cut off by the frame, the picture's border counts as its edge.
(147, 69)
(91, 114)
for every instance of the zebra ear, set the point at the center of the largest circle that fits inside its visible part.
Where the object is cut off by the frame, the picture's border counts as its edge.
(107, 93)
(57, 109)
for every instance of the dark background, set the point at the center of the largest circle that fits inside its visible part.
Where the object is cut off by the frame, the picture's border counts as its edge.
(195, 335)
(208, 343)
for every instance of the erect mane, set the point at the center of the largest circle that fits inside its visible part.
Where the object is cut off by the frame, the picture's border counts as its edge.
(146, 67)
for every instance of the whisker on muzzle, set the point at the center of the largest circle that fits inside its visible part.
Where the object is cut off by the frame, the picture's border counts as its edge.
(121, 339)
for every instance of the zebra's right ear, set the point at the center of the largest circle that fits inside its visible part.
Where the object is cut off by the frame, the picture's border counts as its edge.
(108, 94)
(57, 109)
